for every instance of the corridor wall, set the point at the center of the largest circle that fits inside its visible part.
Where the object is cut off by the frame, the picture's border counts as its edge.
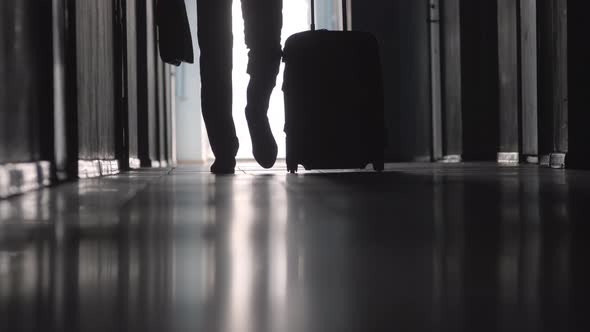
(132, 83)
(514, 79)
(452, 87)
(78, 77)
(147, 84)
(479, 68)
(26, 94)
(579, 85)
(401, 27)
(122, 86)
(470, 72)
(553, 81)
(95, 86)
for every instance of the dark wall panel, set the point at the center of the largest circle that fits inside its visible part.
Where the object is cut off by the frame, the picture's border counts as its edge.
(4, 50)
(131, 26)
(553, 76)
(529, 77)
(26, 96)
(508, 40)
(161, 110)
(401, 27)
(579, 84)
(479, 62)
(152, 81)
(146, 80)
(169, 112)
(452, 96)
(96, 94)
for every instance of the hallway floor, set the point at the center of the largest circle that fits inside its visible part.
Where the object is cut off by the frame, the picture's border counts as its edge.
(420, 247)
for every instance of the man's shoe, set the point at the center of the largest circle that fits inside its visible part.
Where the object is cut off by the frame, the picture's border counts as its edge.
(264, 146)
(223, 167)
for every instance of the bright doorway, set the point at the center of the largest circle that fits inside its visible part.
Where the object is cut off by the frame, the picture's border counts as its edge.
(192, 142)
(296, 18)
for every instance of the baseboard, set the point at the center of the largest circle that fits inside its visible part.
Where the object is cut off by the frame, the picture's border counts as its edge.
(451, 159)
(19, 178)
(508, 158)
(134, 163)
(530, 159)
(161, 164)
(95, 168)
(557, 160)
(148, 163)
(194, 162)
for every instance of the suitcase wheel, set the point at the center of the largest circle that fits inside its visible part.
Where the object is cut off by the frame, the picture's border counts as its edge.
(292, 168)
(379, 166)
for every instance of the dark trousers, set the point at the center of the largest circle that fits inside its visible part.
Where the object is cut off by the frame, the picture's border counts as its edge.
(263, 23)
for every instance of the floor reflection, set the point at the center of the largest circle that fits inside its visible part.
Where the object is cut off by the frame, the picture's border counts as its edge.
(447, 249)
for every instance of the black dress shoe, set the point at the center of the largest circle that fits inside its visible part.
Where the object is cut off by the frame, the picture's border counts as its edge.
(223, 167)
(264, 146)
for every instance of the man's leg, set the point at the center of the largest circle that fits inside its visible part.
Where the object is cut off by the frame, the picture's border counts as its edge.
(216, 44)
(263, 20)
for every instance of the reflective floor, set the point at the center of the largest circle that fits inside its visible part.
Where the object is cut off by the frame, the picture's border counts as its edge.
(421, 247)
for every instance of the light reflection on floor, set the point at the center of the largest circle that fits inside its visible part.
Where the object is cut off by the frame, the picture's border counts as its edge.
(420, 247)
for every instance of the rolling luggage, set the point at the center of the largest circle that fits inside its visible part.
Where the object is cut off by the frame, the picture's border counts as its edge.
(334, 113)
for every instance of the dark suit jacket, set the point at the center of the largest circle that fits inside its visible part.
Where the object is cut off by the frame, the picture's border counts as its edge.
(174, 34)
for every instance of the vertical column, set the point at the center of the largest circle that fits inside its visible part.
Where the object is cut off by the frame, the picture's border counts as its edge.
(97, 84)
(26, 77)
(479, 79)
(161, 111)
(169, 74)
(435, 79)
(120, 83)
(146, 80)
(153, 69)
(553, 115)
(529, 81)
(3, 78)
(345, 15)
(578, 154)
(71, 88)
(126, 83)
(26, 100)
(414, 104)
(509, 149)
(403, 37)
(132, 83)
(173, 117)
(349, 13)
(452, 92)
(59, 89)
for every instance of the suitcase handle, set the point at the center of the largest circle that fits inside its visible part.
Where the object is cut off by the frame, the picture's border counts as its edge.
(344, 15)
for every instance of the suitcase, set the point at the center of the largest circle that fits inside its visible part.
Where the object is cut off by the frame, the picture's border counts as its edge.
(334, 113)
